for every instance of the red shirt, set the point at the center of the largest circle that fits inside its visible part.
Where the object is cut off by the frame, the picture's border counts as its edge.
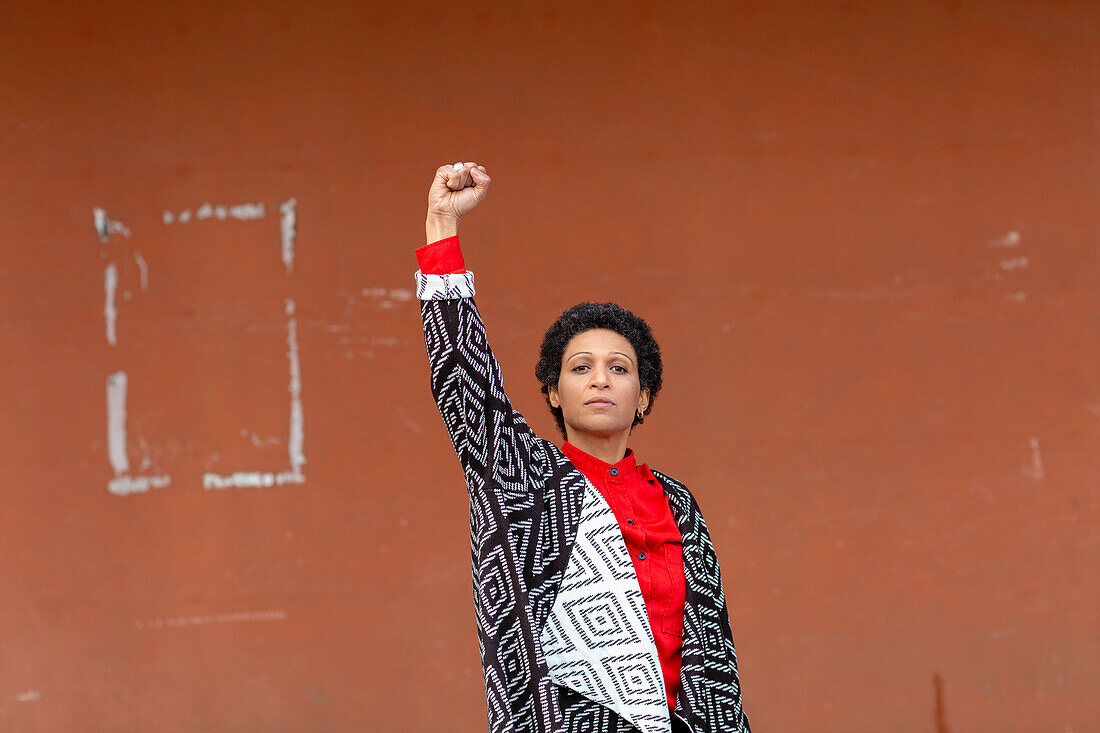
(639, 503)
(640, 506)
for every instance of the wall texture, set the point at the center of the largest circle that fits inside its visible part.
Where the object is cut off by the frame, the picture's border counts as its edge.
(865, 233)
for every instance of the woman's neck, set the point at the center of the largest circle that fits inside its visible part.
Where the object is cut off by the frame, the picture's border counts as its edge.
(608, 448)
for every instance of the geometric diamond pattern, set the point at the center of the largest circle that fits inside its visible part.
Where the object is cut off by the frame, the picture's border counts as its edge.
(597, 639)
(550, 583)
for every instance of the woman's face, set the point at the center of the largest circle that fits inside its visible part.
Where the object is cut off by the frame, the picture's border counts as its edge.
(598, 389)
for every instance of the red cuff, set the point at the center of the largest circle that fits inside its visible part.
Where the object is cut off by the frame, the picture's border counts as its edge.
(443, 257)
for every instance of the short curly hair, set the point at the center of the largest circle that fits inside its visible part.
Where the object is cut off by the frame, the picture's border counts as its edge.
(585, 317)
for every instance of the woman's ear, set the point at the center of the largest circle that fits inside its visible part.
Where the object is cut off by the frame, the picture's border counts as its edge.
(552, 393)
(643, 400)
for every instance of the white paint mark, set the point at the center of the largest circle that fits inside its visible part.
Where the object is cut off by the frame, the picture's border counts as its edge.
(244, 212)
(122, 484)
(1016, 263)
(28, 696)
(251, 479)
(288, 228)
(297, 428)
(99, 218)
(220, 618)
(105, 226)
(146, 459)
(126, 485)
(241, 212)
(116, 423)
(1037, 471)
(394, 294)
(110, 313)
(259, 442)
(144, 270)
(1012, 239)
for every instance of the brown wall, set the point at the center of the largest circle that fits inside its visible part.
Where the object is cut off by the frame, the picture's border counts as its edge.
(865, 233)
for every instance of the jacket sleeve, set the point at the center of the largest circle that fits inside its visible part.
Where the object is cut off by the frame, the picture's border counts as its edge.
(491, 439)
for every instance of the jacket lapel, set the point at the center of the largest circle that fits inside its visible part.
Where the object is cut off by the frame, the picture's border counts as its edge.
(597, 639)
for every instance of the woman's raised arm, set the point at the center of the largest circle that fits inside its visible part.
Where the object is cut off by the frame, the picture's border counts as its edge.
(489, 436)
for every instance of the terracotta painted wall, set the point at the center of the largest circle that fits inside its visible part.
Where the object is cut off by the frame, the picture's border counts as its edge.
(865, 233)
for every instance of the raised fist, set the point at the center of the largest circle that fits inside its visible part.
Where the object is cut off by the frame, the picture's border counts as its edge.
(455, 191)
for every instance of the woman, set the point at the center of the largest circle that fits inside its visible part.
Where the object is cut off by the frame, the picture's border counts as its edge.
(597, 592)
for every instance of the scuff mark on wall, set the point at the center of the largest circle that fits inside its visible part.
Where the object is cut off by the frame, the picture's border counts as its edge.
(1037, 471)
(221, 618)
(288, 228)
(938, 711)
(110, 313)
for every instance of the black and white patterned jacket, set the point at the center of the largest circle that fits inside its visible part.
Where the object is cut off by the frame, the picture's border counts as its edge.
(565, 642)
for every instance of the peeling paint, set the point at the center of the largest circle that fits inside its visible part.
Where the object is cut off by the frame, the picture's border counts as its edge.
(106, 226)
(240, 212)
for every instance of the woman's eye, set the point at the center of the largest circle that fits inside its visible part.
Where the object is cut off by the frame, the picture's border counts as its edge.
(621, 368)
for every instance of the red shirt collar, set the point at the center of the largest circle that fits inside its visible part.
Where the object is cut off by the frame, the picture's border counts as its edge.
(592, 466)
